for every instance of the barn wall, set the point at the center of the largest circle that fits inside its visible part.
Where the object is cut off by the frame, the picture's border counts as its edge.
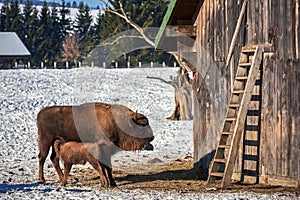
(280, 111)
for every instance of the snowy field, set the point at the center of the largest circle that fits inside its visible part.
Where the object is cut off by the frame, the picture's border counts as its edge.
(24, 92)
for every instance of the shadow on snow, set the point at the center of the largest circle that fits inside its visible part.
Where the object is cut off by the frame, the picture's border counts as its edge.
(4, 188)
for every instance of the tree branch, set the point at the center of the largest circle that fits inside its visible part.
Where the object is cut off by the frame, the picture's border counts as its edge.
(172, 83)
(119, 38)
(122, 14)
(129, 21)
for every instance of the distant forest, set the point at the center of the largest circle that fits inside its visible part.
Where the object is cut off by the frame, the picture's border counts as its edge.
(68, 4)
(52, 36)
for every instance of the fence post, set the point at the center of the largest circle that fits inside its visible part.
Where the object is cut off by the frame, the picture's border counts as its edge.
(92, 64)
(163, 64)
(140, 64)
(174, 64)
(28, 65)
(67, 65)
(151, 64)
(128, 64)
(16, 65)
(116, 64)
(104, 64)
(42, 65)
(54, 65)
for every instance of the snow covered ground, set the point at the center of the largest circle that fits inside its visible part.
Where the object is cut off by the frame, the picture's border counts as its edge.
(24, 92)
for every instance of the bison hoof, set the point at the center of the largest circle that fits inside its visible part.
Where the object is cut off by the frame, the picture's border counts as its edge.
(112, 185)
(103, 185)
(42, 180)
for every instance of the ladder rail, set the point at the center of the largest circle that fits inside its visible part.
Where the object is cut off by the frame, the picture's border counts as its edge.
(237, 121)
(241, 117)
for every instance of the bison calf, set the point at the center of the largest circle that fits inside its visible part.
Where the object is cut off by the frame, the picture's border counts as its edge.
(97, 154)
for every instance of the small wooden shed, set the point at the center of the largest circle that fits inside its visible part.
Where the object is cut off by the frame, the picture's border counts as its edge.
(270, 146)
(12, 51)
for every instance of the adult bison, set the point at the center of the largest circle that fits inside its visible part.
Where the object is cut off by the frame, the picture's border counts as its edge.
(91, 122)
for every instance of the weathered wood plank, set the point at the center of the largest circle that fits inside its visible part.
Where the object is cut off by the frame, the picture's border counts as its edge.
(187, 30)
(236, 32)
(219, 32)
(297, 28)
(280, 107)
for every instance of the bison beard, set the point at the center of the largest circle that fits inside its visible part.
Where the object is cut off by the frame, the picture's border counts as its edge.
(79, 153)
(90, 123)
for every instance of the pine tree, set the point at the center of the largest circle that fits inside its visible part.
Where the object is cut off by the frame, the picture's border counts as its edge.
(30, 24)
(65, 22)
(83, 29)
(56, 36)
(8, 13)
(43, 32)
(4, 16)
(16, 19)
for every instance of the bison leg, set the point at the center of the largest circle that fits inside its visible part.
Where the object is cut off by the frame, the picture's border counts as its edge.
(44, 150)
(112, 182)
(67, 170)
(97, 166)
(55, 161)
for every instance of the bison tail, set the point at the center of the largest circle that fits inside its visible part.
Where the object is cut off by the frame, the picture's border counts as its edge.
(58, 138)
(57, 142)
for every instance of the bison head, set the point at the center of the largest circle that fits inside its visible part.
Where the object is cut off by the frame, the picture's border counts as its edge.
(135, 132)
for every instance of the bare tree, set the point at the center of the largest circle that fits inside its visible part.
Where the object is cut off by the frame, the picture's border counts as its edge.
(70, 50)
(181, 84)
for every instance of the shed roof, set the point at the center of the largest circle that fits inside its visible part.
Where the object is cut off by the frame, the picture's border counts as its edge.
(180, 12)
(11, 45)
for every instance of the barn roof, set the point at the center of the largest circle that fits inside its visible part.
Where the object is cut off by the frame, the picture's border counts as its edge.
(180, 12)
(11, 45)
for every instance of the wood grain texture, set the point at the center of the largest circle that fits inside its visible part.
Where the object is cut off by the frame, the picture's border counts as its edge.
(280, 123)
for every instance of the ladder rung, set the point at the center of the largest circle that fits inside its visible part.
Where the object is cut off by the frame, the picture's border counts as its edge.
(224, 146)
(252, 143)
(252, 127)
(250, 157)
(248, 172)
(245, 50)
(217, 174)
(255, 98)
(245, 64)
(231, 119)
(234, 105)
(241, 78)
(238, 91)
(227, 133)
(219, 160)
(254, 113)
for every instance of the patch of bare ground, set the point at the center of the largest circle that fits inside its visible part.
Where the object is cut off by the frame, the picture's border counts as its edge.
(177, 176)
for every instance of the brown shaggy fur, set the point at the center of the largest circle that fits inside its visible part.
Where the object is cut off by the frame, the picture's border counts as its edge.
(90, 123)
(79, 153)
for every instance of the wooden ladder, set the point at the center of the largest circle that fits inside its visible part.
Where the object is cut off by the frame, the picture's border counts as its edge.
(227, 148)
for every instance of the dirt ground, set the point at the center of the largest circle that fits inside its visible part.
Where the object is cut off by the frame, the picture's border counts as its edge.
(177, 176)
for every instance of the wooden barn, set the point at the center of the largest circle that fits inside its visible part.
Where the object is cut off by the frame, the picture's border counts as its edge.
(246, 86)
(12, 51)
